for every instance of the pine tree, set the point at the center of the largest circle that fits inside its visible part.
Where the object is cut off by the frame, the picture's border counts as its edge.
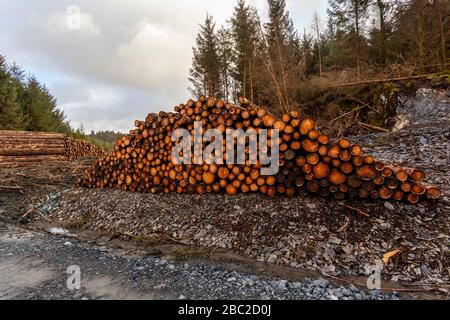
(39, 107)
(81, 129)
(225, 49)
(25, 104)
(308, 48)
(11, 116)
(205, 71)
(245, 27)
(283, 49)
(350, 16)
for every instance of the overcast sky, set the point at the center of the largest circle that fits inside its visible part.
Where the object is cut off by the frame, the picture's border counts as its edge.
(124, 60)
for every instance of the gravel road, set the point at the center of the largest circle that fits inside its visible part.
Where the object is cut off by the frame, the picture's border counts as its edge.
(33, 265)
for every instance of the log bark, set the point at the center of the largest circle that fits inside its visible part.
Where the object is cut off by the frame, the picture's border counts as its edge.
(32, 150)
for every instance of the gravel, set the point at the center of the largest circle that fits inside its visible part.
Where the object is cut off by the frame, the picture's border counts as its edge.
(109, 275)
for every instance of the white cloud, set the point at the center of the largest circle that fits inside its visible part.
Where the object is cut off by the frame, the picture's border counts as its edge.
(72, 20)
(127, 57)
(156, 58)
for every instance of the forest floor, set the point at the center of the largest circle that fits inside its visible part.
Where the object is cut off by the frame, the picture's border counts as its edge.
(300, 248)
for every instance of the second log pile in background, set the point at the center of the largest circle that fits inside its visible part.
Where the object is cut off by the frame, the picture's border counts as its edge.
(141, 161)
(23, 147)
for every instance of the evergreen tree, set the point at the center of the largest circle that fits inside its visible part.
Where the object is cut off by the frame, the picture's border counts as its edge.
(421, 32)
(205, 72)
(310, 64)
(11, 115)
(40, 108)
(25, 104)
(350, 17)
(245, 30)
(283, 49)
(225, 48)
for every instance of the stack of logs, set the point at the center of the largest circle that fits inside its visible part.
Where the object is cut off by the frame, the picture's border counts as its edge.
(76, 149)
(23, 147)
(141, 161)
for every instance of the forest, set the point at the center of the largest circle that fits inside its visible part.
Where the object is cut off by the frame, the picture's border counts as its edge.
(275, 65)
(26, 104)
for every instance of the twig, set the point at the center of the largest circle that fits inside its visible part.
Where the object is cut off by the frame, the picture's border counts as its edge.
(42, 215)
(26, 214)
(359, 101)
(344, 227)
(11, 188)
(369, 126)
(357, 210)
(344, 115)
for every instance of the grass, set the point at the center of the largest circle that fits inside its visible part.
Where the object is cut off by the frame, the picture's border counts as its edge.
(107, 146)
(77, 224)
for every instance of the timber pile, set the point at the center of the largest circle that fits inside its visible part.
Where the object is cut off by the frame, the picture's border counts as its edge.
(141, 161)
(20, 147)
(76, 149)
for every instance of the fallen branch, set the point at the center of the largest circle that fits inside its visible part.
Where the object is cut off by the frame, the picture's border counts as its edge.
(344, 115)
(369, 126)
(357, 210)
(11, 188)
(383, 80)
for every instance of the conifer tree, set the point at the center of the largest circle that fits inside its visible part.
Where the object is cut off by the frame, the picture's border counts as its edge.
(283, 48)
(11, 115)
(244, 26)
(205, 71)
(225, 49)
(350, 17)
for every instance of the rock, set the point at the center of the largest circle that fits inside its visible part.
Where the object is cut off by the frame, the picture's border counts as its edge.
(162, 262)
(297, 285)
(329, 254)
(348, 249)
(311, 205)
(425, 270)
(389, 206)
(353, 289)
(346, 292)
(272, 258)
(281, 285)
(201, 234)
(329, 269)
(334, 240)
(322, 283)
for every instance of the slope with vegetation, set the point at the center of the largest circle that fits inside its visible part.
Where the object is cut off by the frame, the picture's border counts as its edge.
(275, 65)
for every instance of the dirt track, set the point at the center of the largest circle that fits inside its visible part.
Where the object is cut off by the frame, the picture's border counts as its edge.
(35, 264)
